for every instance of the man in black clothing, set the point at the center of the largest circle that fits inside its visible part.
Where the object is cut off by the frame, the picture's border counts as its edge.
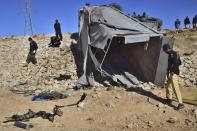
(177, 24)
(58, 31)
(134, 14)
(55, 41)
(187, 22)
(144, 15)
(172, 74)
(194, 22)
(32, 51)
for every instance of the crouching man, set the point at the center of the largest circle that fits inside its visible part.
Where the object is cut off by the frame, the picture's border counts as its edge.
(172, 74)
(55, 41)
(32, 52)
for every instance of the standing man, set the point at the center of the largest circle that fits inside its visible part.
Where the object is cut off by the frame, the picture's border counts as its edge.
(172, 74)
(144, 15)
(194, 22)
(58, 31)
(177, 24)
(134, 14)
(32, 52)
(187, 22)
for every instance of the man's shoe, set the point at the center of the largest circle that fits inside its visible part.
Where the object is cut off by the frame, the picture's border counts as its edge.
(167, 101)
(180, 106)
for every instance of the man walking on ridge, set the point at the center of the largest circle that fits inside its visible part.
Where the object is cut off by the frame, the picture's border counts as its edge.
(187, 22)
(58, 31)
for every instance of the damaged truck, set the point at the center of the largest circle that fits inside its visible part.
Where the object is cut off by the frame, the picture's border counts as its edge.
(120, 47)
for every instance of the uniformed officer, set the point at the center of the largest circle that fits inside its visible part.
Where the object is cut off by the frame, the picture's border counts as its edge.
(172, 74)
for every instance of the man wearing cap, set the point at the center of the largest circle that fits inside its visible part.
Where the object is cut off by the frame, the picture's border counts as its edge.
(172, 74)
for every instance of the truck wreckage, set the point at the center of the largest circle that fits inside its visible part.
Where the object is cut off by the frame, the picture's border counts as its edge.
(120, 47)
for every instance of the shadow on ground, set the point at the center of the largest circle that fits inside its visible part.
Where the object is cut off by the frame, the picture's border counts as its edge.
(149, 94)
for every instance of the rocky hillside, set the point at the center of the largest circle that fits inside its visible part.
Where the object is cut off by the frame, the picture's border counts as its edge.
(59, 68)
(55, 69)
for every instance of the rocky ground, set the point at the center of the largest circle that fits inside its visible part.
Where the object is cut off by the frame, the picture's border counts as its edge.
(116, 109)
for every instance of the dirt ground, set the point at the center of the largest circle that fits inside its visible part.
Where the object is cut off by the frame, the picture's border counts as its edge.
(103, 110)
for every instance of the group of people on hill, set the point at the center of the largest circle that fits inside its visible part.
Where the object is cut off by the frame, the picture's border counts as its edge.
(55, 42)
(138, 15)
(187, 23)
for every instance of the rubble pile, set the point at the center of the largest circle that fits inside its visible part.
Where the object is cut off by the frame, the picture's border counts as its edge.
(188, 70)
(186, 45)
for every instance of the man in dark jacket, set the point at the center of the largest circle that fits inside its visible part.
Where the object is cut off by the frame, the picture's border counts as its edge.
(32, 51)
(194, 22)
(58, 31)
(177, 24)
(187, 22)
(172, 74)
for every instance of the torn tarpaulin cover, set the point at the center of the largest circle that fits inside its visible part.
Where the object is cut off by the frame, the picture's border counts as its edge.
(109, 40)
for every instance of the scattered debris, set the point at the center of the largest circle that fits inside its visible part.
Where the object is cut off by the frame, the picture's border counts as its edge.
(78, 103)
(31, 114)
(50, 96)
(23, 125)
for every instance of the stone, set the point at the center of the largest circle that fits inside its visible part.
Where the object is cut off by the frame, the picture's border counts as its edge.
(192, 70)
(150, 123)
(192, 80)
(118, 97)
(130, 126)
(188, 83)
(80, 105)
(194, 111)
(187, 65)
(184, 69)
(189, 122)
(160, 105)
(194, 65)
(109, 104)
(172, 120)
